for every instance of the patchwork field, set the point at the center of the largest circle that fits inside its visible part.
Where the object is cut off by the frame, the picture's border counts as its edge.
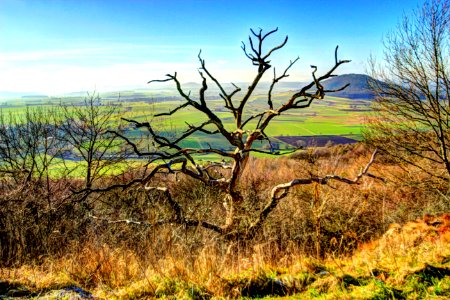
(331, 116)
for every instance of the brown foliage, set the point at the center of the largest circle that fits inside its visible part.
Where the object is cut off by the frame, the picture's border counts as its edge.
(314, 219)
(128, 244)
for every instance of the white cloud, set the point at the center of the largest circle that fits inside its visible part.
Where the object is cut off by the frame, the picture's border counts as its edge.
(56, 79)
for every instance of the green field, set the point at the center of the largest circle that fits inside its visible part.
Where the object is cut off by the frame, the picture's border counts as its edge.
(330, 116)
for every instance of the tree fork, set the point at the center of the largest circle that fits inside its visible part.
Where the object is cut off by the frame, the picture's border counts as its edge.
(169, 156)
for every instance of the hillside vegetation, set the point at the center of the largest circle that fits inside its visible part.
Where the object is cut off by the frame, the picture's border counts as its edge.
(368, 241)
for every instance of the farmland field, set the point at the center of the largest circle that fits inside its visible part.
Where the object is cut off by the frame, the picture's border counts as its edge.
(330, 116)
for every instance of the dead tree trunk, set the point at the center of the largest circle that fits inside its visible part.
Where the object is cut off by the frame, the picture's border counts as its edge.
(171, 157)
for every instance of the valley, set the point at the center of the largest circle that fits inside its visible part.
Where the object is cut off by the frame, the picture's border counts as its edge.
(331, 116)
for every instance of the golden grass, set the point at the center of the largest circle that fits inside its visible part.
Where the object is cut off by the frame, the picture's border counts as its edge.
(361, 256)
(396, 264)
(383, 266)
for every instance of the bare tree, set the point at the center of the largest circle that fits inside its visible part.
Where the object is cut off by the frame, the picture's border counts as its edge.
(28, 144)
(33, 187)
(412, 84)
(171, 157)
(85, 127)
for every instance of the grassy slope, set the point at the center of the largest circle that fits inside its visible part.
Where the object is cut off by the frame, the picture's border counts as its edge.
(409, 262)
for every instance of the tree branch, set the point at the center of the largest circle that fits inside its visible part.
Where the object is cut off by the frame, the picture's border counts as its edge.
(277, 79)
(280, 191)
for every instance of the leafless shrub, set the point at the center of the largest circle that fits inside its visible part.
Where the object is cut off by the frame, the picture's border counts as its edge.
(411, 119)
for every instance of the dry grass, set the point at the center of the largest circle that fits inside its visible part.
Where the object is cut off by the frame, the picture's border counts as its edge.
(321, 241)
(410, 261)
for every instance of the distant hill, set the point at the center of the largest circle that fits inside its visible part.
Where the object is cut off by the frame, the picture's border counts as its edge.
(358, 89)
(7, 94)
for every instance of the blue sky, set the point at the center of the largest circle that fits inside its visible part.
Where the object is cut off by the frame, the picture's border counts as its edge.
(56, 47)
